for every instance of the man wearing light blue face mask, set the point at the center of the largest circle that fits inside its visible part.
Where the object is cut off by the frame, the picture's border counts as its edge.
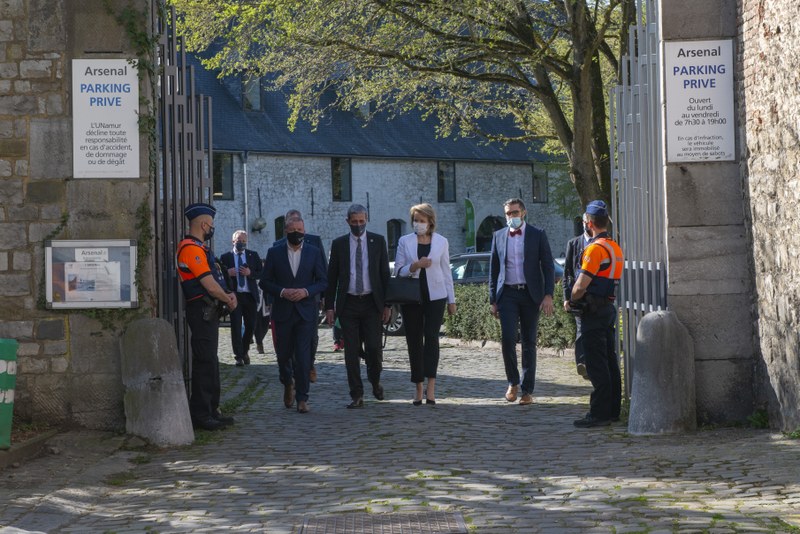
(243, 270)
(521, 282)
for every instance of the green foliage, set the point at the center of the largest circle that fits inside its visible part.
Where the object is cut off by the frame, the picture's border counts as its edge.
(795, 434)
(759, 419)
(544, 67)
(474, 320)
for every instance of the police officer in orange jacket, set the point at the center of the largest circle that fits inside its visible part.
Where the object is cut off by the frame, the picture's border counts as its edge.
(594, 293)
(203, 288)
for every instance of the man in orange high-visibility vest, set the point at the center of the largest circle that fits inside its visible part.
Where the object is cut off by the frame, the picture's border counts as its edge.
(594, 292)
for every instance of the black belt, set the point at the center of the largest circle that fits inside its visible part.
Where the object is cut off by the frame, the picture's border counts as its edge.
(518, 287)
(364, 296)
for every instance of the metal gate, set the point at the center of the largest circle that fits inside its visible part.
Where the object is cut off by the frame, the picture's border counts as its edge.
(639, 202)
(184, 129)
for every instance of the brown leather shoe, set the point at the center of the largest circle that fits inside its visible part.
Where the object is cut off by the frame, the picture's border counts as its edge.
(302, 407)
(288, 395)
(312, 375)
(526, 399)
(511, 394)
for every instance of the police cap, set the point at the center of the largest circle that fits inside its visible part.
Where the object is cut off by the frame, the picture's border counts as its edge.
(597, 207)
(199, 208)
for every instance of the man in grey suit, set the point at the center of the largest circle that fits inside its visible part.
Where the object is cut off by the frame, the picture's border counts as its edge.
(358, 273)
(521, 282)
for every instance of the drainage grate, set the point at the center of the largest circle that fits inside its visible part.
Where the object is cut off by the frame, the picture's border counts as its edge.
(360, 523)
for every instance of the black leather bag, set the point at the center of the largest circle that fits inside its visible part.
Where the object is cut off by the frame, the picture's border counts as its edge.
(403, 291)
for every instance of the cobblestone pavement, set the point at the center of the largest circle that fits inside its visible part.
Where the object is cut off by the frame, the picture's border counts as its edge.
(506, 468)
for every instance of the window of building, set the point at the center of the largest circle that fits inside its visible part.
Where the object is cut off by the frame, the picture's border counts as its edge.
(341, 179)
(539, 176)
(251, 93)
(279, 225)
(394, 229)
(447, 181)
(223, 176)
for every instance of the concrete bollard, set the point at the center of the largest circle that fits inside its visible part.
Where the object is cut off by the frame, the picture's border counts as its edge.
(156, 405)
(662, 393)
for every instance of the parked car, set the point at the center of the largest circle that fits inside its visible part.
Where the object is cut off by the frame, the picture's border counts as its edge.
(473, 268)
(467, 268)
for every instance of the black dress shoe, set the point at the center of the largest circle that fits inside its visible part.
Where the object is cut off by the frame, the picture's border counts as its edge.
(246, 359)
(357, 403)
(417, 402)
(429, 401)
(239, 362)
(208, 424)
(260, 348)
(226, 420)
(377, 390)
(591, 421)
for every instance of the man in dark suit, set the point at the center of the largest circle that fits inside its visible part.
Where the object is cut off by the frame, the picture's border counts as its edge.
(317, 242)
(572, 264)
(358, 273)
(521, 282)
(243, 269)
(294, 274)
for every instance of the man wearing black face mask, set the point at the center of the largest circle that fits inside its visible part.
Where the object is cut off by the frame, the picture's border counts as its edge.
(294, 274)
(243, 269)
(203, 285)
(572, 264)
(358, 273)
(315, 240)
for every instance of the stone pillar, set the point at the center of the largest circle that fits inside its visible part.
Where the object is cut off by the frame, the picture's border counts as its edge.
(710, 277)
(156, 404)
(663, 390)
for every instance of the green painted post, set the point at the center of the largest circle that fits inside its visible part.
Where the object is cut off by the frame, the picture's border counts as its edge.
(8, 379)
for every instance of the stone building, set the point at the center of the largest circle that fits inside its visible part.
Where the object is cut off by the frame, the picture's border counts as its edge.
(262, 169)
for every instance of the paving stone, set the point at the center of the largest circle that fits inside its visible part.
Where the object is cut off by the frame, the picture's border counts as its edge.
(505, 468)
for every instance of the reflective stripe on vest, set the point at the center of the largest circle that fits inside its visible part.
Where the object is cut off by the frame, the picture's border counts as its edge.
(192, 288)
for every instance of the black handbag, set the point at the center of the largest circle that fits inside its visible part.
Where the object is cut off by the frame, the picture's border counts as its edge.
(403, 291)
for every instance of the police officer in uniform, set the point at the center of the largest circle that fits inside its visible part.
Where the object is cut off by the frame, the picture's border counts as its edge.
(593, 294)
(203, 288)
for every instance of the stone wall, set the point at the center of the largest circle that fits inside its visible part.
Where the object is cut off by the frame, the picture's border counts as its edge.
(388, 187)
(769, 43)
(68, 364)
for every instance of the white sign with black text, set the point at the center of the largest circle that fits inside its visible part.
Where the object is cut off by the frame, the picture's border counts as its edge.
(699, 101)
(105, 129)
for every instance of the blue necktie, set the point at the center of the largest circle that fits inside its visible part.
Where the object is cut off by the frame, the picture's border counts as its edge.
(239, 276)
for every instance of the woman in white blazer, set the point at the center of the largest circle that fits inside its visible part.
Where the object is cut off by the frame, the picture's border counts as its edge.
(425, 255)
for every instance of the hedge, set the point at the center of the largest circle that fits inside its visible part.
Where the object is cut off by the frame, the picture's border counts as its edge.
(474, 320)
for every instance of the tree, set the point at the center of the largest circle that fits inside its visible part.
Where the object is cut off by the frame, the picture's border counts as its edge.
(543, 66)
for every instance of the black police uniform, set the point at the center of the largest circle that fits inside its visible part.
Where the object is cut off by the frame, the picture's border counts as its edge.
(203, 319)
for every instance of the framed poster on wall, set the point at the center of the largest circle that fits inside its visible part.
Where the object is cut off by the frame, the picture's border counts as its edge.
(90, 274)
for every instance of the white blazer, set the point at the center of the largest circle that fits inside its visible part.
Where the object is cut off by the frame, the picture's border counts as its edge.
(440, 278)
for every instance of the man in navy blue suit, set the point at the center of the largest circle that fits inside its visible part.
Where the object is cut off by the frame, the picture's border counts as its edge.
(521, 282)
(294, 274)
(317, 242)
(243, 269)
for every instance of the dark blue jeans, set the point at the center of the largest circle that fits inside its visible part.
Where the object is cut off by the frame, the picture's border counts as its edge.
(516, 307)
